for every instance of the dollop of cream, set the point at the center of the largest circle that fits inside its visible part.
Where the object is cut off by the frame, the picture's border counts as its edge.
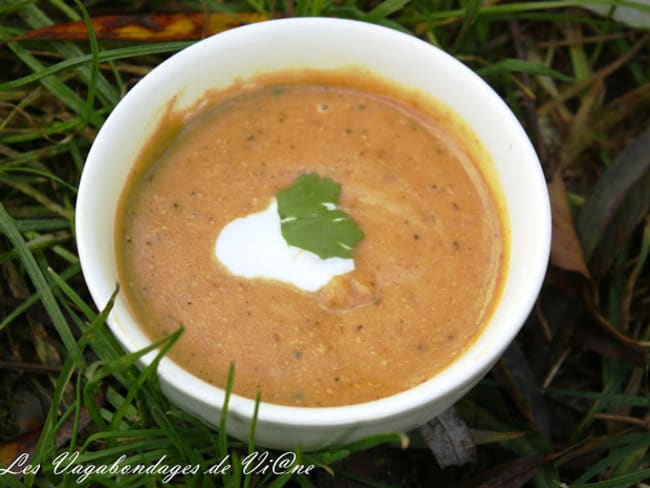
(253, 247)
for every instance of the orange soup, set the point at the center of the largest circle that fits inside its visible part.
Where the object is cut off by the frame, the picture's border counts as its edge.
(427, 274)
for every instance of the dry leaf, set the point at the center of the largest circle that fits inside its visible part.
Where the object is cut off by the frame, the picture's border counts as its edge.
(566, 251)
(25, 444)
(149, 28)
(449, 439)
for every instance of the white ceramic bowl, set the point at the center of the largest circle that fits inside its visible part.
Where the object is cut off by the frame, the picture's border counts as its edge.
(319, 43)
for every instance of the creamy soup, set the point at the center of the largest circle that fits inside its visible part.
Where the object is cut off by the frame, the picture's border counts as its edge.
(427, 274)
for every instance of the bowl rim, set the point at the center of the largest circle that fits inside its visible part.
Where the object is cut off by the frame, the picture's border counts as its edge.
(438, 386)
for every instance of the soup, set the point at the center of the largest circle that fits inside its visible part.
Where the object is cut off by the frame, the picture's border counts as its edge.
(426, 275)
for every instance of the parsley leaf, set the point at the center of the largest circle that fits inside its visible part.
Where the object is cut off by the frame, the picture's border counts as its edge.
(310, 220)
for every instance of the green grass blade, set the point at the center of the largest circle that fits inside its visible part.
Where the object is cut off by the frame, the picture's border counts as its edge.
(614, 457)
(508, 9)
(101, 340)
(376, 440)
(147, 373)
(384, 9)
(234, 481)
(43, 173)
(35, 17)
(38, 243)
(14, 6)
(615, 374)
(472, 9)
(72, 295)
(114, 398)
(35, 155)
(616, 482)
(76, 407)
(104, 56)
(223, 440)
(522, 66)
(38, 196)
(8, 227)
(65, 9)
(187, 454)
(11, 481)
(22, 308)
(324, 459)
(47, 439)
(54, 128)
(41, 225)
(251, 438)
(59, 89)
(612, 399)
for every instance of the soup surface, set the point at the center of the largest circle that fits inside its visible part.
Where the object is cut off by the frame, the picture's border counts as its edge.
(428, 271)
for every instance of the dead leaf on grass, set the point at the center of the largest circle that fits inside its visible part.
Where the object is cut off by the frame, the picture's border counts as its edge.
(149, 28)
(449, 439)
(25, 444)
(566, 251)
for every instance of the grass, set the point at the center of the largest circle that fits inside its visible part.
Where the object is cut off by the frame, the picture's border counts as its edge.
(567, 406)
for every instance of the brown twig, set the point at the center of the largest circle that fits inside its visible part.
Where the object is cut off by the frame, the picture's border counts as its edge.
(30, 367)
(583, 40)
(606, 326)
(645, 422)
(601, 74)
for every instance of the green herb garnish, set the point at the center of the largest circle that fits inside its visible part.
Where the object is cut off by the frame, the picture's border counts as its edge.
(310, 220)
